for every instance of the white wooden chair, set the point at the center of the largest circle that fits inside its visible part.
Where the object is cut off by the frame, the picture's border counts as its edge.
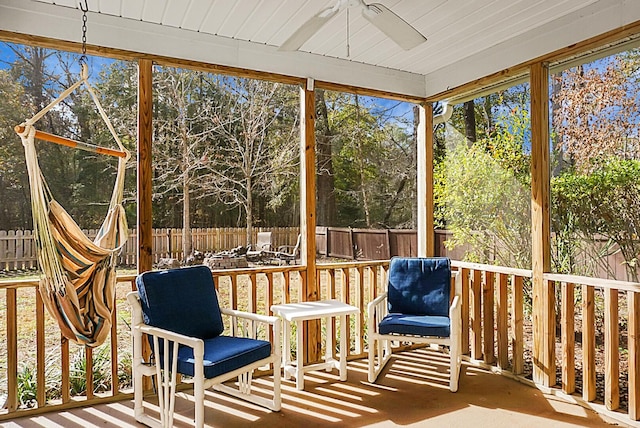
(178, 310)
(417, 308)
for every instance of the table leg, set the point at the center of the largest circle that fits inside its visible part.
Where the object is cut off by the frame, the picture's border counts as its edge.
(328, 352)
(286, 348)
(299, 359)
(343, 347)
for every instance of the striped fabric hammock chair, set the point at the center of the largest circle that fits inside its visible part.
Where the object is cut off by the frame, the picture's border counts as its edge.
(78, 277)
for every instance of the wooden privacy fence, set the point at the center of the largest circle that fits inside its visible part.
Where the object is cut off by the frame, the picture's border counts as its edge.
(377, 244)
(18, 250)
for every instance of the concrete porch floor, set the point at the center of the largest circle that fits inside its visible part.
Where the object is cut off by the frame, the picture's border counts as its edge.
(412, 392)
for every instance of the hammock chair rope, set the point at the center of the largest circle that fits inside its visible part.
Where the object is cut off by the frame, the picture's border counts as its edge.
(78, 281)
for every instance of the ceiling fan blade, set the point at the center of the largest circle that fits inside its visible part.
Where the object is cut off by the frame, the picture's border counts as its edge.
(308, 29)
(396, 28)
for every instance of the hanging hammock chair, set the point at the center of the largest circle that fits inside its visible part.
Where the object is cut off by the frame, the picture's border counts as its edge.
(78, 275)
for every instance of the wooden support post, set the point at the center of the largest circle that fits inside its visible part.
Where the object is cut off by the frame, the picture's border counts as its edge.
(145, 175)
(544, 370)
(308, 213)
(426, 235)
(145, 169)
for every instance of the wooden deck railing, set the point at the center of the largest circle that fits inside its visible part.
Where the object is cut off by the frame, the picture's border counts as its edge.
(495, 308)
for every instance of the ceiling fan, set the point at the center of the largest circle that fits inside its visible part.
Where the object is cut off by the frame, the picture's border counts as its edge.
(396, 28)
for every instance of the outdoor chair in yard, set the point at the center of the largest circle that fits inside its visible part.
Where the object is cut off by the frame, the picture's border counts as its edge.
(417, 308)
(287, 253)
(178, 310)
(262, 247)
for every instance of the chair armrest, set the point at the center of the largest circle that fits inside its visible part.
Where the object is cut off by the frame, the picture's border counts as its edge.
(455, 310)
(249, 321)
(376, 309)
(192, 342)
(250, 316)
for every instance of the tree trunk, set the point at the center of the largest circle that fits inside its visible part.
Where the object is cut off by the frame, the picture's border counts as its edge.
(470, 122)
(187, 247)
(361, 167)
(326, 203)
(249, 209)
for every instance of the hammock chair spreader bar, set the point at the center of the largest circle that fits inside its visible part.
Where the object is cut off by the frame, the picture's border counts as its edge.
(45, 136)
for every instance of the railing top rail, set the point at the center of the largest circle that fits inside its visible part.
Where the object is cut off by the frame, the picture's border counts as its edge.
(344, 265)
(594, 282)
(252, 270)
(492, 268)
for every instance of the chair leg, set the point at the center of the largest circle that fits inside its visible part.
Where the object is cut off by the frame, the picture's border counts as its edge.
(372, 355)
(198, 397)
(384, 355)
(455, 363)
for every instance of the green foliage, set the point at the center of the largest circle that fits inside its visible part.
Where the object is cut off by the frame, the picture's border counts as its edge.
(482, 195)
(484, 206)
(605, 201)
(374, 164)
(101, 371)
(27, 386)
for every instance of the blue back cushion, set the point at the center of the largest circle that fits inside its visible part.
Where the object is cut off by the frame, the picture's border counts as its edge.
(181, 300)
(419, 286)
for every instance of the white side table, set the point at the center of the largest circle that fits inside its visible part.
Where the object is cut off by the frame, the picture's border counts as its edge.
(304, 311)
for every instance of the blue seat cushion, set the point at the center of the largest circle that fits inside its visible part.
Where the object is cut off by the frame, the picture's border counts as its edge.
(417, 325)
(182, 301)
(223, 354)
(419, 286)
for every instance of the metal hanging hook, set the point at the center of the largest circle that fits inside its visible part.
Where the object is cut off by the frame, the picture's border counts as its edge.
(84, 9)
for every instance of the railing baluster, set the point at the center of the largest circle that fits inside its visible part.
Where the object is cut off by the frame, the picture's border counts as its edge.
(611, 350)
(466, 276)
(253, 293)
(476, 315)
(286, 277)
(588, 344)
(233, 292)
(115, 387)
(88, 354)
(503, 322)
(568, 338)
(633, 302)
(12, 350)
(518, 324)
(65, 363)
(40, 354)
(488, 349)
(359, 328)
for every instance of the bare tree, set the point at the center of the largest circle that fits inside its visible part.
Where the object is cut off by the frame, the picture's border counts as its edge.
(184, 135)
(257, 129)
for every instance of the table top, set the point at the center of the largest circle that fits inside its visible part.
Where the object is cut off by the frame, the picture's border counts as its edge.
(313, 310)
